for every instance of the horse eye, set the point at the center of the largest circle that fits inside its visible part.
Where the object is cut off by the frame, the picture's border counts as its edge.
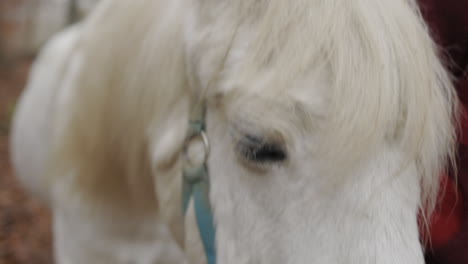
(255, 149)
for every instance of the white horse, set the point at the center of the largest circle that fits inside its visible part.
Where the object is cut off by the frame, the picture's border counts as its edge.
(329, 124)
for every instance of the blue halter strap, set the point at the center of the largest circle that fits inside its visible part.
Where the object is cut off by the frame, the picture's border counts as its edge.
(196, 184)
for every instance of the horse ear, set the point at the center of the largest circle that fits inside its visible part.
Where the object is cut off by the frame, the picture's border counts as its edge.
(167, 139)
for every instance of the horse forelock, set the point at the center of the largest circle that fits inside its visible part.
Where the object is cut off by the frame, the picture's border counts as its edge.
(385, 84)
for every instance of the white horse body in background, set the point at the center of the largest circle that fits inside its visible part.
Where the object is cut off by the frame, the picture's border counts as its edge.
(329, 123)
(26, 25)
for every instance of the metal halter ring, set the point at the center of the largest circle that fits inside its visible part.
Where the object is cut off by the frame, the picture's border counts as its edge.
(206, 146)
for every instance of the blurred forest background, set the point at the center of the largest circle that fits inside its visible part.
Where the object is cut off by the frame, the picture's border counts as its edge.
(25, 25)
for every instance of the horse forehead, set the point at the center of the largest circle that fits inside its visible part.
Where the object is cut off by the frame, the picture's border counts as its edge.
(249, 60)
(247, 44)
(266, 107)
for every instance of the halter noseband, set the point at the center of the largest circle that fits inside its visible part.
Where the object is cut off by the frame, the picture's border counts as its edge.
(196, 183)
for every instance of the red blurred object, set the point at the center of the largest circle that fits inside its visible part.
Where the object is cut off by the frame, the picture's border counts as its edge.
(447, 220)
(448, 21)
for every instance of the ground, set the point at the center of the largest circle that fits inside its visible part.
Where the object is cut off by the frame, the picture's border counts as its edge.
(25, 233)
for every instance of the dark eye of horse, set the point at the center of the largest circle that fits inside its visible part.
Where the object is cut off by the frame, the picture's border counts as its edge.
(255, 149)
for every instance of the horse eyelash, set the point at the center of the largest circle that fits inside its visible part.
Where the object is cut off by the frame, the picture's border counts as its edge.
(257, 149)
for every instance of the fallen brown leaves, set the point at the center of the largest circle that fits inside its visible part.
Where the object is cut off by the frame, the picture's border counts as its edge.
(25, 225)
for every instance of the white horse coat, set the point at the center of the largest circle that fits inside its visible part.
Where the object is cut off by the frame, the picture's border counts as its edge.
(329, 123)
